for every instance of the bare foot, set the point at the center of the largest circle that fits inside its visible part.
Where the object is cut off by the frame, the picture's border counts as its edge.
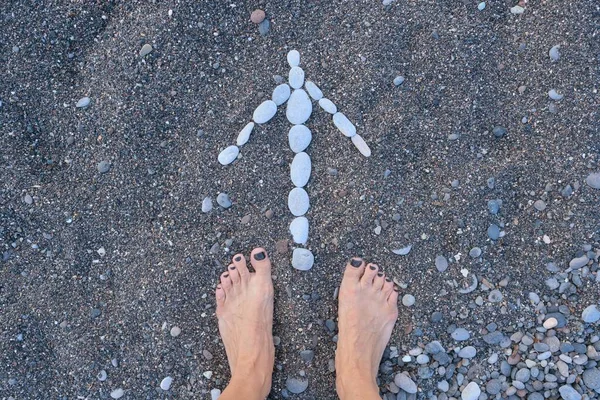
(368, 311)
(245, 313)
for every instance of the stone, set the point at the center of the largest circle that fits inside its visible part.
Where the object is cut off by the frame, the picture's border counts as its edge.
(102, 376)
(307, 355)
(591, 378)
(554, 53)
(214, 394)
(293, 58)
(550, 323)
(361, 145)
(165, 384)
(83, 102)
(499, 131)
(579, 262)
(517, 10)
(299, 137)
(460, 334)
(223, 200)
(313, 90)
(523, 375)
(405, 383)
(481, 6)
(302, 259)
(328, 105)
(554, 95)
(244, 134)
(467, 352)
(344, 124)
(539, 205)
(300, 169)
(568, 393)
(207, 204)
(228, 155)
(146, 49)
(494, 206)
(264, 27)
(117, 393)
(593, 180)
(475, 252)
(408, 300)
(103, 167)
(399, 80)
(495, 296)
(207, 354)
(264, 112)
(257, 16)
(493, 337)
(281, 94)
(296, 385)
(591, 314)
(402, 251)
(175, 331)
(470, 392)
(299, 230)
(299, 107)
(296, 77)
(493, 386)
(441, 263)
(493, 232)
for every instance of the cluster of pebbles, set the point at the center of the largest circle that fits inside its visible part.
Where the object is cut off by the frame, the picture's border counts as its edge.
(298, 111)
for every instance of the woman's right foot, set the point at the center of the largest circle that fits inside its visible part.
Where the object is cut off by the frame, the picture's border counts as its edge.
(368, 310)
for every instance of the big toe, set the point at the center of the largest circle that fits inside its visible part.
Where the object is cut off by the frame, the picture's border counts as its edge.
(354, 269)
(260, 261)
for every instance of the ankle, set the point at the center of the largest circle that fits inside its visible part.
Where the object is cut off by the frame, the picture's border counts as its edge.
(358, 385)
(253, 384)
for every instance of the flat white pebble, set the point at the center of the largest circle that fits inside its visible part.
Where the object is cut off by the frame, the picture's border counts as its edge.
(264, 112)
(146, 49)
(408, 300)
(281, 94)
(207, 204)
(299, 137)
(293, 58)
(117, 393)
(313, 90)
(593, 180)
(399, 80)
(344, 124)
(481, 6)
(554, 95)
(299, 107)
(403, 251)
(328, 105)
(299, 230)
(244, 134)
(298, 202)
(554, 52)
(102, 376)
(300, 169)
(517, 10)
(215, 394)
(165, 384)
(228, 155)
(361, 145)
(591, 314)
(83, 102)
(175, 331)
(296, 77)
(302, 259)
(441, 263)
(471, 392)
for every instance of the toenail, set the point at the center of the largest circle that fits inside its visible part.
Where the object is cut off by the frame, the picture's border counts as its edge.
(238, 258)
(388, 279)
(373, 268)
(396, 289)
(218, 286)
(356, 262)
(380, 274)
(260, 256)
(226, 276)
(232, 267)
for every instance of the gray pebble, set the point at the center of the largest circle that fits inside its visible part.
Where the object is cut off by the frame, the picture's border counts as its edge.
(405, 383)
(495, 296)
(264, 27)
(493, 386)
(554, 53)
(299, 137)
(228, 155)
(539, 205)
(207, 204)
(460, 334)
(523, 375)
(554, 95)
(83, 102)
(591, 314)
(491, 183)
(441, 263)
(28, 199)
(117, 393)
(300, 169)
(102, 376)
(593, 180)
(307, 355)
(475, 252)
(436, 316)
(175, 331)
(298, 202)
(591, 378)
(281, 94)
(493, 232)
(223, 200)
(399, 80)
(408, 300)
(103, 167)
(146, 49)
(165, 384)
(493, 337)
(568, 393)
(313, 90)
(95, 313)
(499, 131)
(467, 352)
(471, 392)
(296, 385)
(579, 262)
(494, 206)
(302, 259)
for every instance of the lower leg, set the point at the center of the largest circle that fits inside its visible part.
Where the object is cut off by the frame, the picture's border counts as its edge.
(367, 313)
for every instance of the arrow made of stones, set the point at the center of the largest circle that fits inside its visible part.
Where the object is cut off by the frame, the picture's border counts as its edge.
(298, 111)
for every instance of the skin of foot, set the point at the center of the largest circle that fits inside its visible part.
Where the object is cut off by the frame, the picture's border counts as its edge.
(245, 314)
(368, 310)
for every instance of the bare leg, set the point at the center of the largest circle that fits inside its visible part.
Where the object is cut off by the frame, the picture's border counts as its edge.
(245, 313)
(368, 311)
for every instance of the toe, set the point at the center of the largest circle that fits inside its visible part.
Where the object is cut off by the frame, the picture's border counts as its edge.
(240, 264)
(234, 274)
(370, 274)
(354, 269)
(226, 281)
(220, 294)
(388, 287)
(379, 280)
(393, 298)
(260, 261)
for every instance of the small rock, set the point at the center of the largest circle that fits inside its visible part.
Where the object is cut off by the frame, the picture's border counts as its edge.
(517, 10)
(499, 131)
(207, 355)
(102, 376)
(467, 352)
(475, 252)
(165, 384)
(313, 90)
(103, 167)
(344, 124)
(83, 102)
(549, 324)
(281, 94)
(539, 205)
(298, 202)
(299, 138)
(293, 58)
(554, 53)
(481, 6)
(207, 204)
(307, 355)
(403, 251)
(361, 145)
(299, 107)
(264, 112)
(264, 27)
(228, 155)
(28, 199)
(214, 394)
(460, 334)
(493, 232)
(302, 259)
(593, 180)
(117, 393)
(554, 95)
(591, 378)
(223, 200)
(471, 392)
(175, 331)
(579, 262)
(399, 80)
(408, 300)
(296, 385)
(146, 49)
(257, 16)
(441, 263)
(296, 77)
(591, 314)
(328, 105)
(494, 206)
(300, 169)
(299, 230)
(405, 383)
(568, 393)
(495, 296)
(244, 134)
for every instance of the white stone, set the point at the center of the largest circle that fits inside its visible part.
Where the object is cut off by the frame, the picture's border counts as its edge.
(264, 112)
(313, 90)
(593, 180)
(228, 155)
(299, 107)
(207, 204)
(296, 77)
(517, 10)
(471, 392)
(215, 394)
(244, 134)
(83, 102)
(299, 230)
(361, 145)
(328, 105)
(299, 138)
(117, 393)
(293, 58)
(554, 95)
(298, 202)
(302, 259)
(165, 384)
(344, 124)
(281, 94)
(300, 169)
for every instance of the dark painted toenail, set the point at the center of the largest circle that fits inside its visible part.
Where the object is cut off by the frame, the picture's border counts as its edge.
(260, 256)
(238, 258)
(226, 276)
(373, 268)
(232, 267)
(388, 279)
(380, 274)
(396, 289)
(355, 262)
